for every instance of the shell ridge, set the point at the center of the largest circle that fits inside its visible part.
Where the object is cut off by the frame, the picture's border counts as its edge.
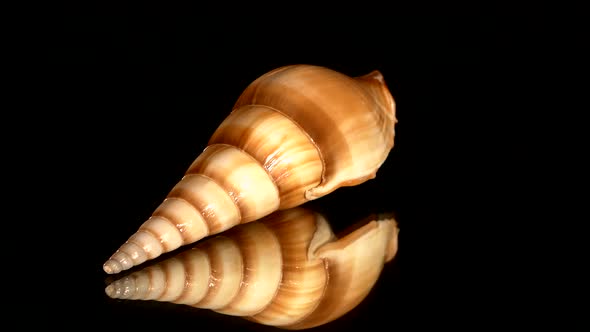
(259, 164)
(214, 283)
(197, 169)
(280, 145)
(244, 270)
(151, 234)
(188, 276)
(209, 282)
(303, 131)
(220, 186)
(153, 286)
(207, 225)
(250, 276)
(295, 324)
(173, 224)
(278, 288)
(168, 276)
(311, 254)
(132, 240)
(311, 140)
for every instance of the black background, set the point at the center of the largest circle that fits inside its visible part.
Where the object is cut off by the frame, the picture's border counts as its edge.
(136, 97)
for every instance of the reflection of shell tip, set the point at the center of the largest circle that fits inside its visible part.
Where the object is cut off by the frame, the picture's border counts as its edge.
(110, 290)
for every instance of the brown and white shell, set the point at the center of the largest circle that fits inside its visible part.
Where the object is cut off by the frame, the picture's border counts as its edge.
(295, 134)
(286, 270)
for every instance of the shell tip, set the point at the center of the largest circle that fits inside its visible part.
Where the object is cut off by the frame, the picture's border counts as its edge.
(111, 267)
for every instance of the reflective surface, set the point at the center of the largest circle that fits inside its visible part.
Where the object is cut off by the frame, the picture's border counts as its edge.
(287, 270)
(133, 101)
(145, 109)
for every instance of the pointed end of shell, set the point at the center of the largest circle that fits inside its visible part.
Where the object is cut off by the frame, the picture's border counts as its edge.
(131, 254)
(110, 291)
(111, 267)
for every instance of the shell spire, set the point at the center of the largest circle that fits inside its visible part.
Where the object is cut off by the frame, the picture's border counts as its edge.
(287, 269)
(295, 134)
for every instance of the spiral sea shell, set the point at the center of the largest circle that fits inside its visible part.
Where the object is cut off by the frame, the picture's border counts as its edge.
(295, 134)
(287, 270)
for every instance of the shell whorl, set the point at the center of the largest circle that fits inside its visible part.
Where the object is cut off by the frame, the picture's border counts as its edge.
(287, 270)
(280, 146)
(351, 120)
(295, 134)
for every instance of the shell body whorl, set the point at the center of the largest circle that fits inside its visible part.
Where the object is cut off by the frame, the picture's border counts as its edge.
(351, 120)
(295, 134)
(287, 269)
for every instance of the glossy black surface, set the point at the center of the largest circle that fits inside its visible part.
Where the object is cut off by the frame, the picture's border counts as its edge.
(136, 100)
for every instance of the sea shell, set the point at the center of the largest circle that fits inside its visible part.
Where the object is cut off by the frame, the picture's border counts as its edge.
(287, 270)
(295, 134)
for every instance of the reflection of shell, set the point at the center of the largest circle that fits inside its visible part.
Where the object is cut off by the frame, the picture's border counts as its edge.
(287, 270)
(295, 134)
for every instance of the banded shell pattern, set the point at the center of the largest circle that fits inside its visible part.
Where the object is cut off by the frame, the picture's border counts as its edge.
(286, 270)
(295, 134)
